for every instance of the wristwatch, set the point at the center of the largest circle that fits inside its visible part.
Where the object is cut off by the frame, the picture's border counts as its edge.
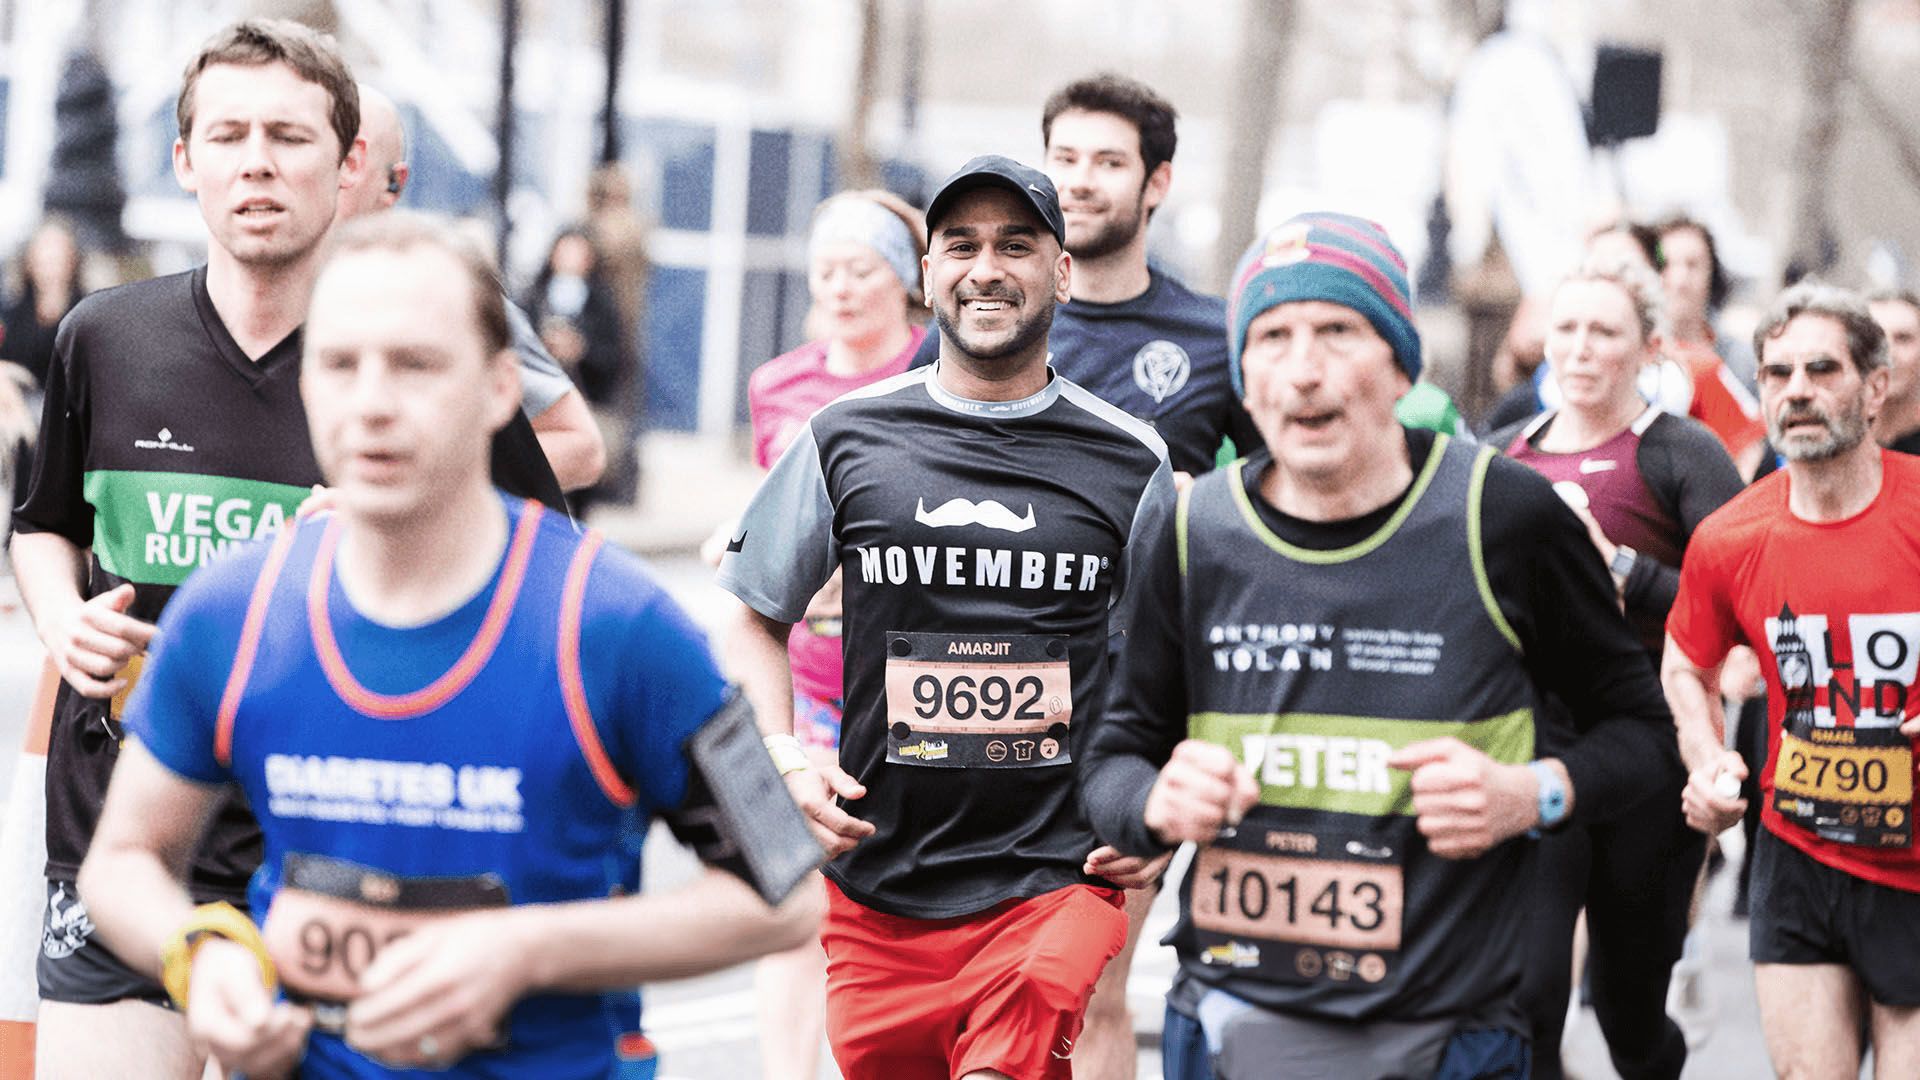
(1622, 562)
(1553, 794)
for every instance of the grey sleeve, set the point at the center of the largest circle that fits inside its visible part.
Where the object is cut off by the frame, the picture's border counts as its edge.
(1152, 526)
(542, 383)
(784, 548)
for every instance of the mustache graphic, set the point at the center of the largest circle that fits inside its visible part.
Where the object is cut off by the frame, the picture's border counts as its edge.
(965, 512)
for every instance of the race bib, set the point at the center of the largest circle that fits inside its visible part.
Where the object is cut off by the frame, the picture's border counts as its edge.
(1299, 907)
(1848, 785)
(983, 701)
(330, 919)
(117, 705)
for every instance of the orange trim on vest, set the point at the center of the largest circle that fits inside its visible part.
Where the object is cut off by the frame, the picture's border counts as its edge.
(250, 632)
(573, 689)
(463, 671)
(40, 715)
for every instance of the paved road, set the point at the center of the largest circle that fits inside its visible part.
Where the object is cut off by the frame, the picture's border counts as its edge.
(704, 1027)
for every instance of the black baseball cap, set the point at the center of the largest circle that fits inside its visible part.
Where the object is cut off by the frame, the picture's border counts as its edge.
(992, 169)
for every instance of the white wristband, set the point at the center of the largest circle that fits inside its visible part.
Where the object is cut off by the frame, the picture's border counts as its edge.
(788, 756)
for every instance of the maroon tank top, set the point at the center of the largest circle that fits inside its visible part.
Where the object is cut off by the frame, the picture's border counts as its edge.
(1617, 494)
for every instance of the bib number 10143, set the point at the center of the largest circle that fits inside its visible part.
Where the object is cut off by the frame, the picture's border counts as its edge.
(997, 701)
(1299, 907)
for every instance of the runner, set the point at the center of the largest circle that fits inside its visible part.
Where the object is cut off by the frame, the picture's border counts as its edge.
(864, 274)
(1696, 285)
(984, 512)
(448, 706)
(1365, 917)
(1897, 427)
(1815, 568)
(172, 429)
(1640, 480)
(1138, 338)
(569, 439)
(1134, 334)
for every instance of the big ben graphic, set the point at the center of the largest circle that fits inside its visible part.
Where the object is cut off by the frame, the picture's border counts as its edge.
(1795, 665)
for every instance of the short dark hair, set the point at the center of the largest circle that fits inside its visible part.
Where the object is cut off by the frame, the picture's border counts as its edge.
(406, 230)
(1718, 285)
(1866, 342)
(312, 55)
(1129, 99)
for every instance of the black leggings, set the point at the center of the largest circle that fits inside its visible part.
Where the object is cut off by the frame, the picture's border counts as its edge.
(1635, 876)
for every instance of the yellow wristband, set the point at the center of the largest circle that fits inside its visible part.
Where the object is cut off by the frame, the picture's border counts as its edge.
(788, 757)
(218, 920)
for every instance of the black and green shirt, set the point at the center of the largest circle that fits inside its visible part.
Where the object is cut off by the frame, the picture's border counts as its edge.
(1314, 650)
(162, 444)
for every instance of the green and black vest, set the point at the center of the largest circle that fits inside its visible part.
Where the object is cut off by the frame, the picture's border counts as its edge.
(1314, 667)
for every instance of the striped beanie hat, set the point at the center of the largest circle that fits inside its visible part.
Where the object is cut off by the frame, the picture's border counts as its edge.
(1325, 256)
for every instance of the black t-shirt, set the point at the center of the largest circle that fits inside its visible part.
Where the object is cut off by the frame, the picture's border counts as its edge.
(161, 443)
(1551, 586)
(1160, 356)
(983, 546)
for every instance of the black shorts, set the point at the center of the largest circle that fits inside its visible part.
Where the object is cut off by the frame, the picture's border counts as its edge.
(1806, 912)
(75, 967)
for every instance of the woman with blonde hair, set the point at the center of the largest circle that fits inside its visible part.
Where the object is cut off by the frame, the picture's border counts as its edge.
(1641, 479)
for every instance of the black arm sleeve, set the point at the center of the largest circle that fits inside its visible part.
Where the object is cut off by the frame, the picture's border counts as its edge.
(1689, 471)
(53, 499)
(1146, 706)
(1550, 584)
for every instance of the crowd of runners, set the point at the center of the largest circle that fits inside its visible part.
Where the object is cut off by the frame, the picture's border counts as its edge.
(1094, 567)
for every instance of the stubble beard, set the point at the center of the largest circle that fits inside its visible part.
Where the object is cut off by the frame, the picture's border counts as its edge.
(1029, 330)
(1114, 234)
(1845, 431)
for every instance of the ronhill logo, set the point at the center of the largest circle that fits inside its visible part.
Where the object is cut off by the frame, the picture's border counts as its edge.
(966, 512)
(164, 441)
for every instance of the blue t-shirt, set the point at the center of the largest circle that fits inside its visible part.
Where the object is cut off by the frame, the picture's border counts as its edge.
(513, 748)
(1161, 357)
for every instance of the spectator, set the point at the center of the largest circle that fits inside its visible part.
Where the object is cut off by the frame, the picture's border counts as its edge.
(579, 323)
(49, 287)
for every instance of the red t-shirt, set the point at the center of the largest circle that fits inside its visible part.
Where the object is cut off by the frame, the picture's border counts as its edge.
(782, 395)
(1720, 400)
(1833, 610)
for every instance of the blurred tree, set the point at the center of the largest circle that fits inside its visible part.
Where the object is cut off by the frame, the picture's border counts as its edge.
(1827, 50)
(83, 175)
(857, 167)
(1266, 28)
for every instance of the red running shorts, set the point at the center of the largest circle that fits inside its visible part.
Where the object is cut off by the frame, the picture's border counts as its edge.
(935, 999)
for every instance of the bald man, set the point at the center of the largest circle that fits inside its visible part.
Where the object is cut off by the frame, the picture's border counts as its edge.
(560, 417)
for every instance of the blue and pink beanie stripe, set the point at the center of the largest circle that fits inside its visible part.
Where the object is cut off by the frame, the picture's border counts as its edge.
(1325, 256)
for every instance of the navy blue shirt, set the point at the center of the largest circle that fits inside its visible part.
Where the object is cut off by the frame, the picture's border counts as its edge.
(1161, 357)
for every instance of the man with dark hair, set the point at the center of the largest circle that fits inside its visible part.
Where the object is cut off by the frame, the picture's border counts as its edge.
(1133, 334)
(984, 513)
(173, 428)
(1898, 313)
(1817, 569)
